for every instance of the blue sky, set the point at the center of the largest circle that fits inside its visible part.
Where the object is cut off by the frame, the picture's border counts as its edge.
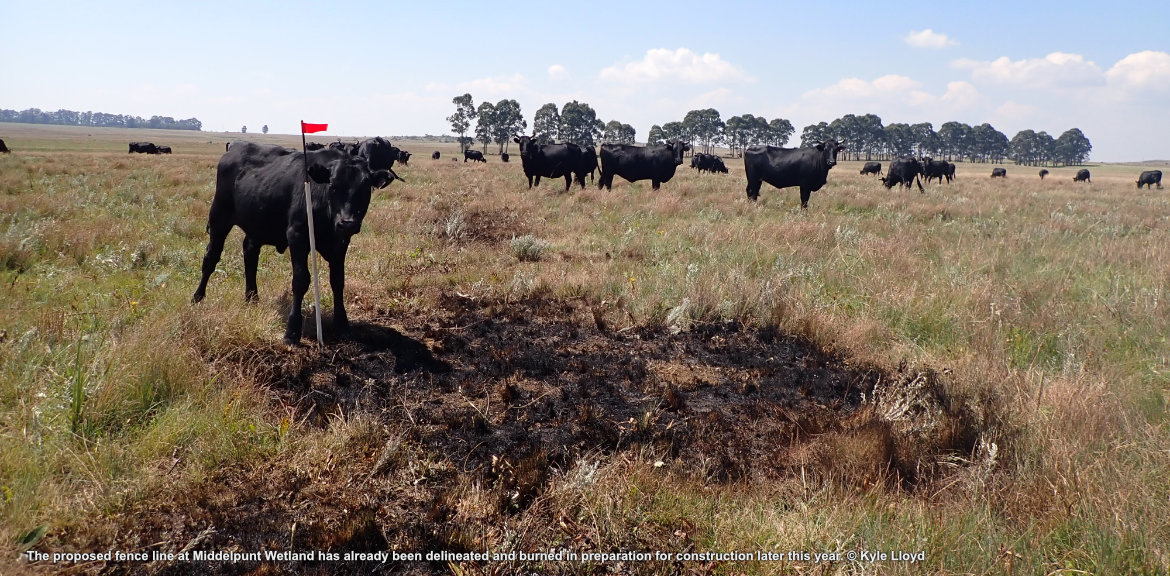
(380, 68)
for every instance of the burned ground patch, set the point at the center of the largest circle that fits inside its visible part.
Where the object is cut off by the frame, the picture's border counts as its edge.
(502, 397)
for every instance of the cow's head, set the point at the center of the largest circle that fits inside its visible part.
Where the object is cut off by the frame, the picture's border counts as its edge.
(378, 153)
(528, 145)
(676, 149)
(829, 149)
(350, 185)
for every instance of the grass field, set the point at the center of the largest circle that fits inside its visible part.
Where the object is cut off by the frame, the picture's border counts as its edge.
(975, 377)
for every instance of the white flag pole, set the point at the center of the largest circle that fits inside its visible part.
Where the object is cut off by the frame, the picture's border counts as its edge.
(312, 241)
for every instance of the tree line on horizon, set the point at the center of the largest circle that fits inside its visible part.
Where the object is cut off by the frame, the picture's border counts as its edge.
(865, 136)
(97, 119)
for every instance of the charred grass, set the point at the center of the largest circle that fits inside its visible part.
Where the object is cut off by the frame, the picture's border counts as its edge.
(977, 372)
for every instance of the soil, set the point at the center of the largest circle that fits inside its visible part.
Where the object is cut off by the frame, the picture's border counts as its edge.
(497, 394)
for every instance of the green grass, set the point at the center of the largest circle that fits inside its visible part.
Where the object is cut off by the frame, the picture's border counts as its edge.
(1048, 293)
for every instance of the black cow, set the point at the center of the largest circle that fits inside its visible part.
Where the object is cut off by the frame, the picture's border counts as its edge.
(1150, 177)
(717, 165)
(1043, 173)
(653, 163)
(435, 155)
(314, 146)
(1082, 176)
(164, 149)
(3, 148)
(404, 157)
(347, 147)
(932, 169)
(999, 172)
(143, 148)
(950, 172)
(504, 157)
(474, 155)
(588, 164)
(708, 163)
(905, 172)
(699, 161)
(378, 153)
(260, 188)
(872, 168)
(548, 160)
(784, 167)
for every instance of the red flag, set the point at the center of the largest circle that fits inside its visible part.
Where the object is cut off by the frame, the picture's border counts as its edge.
(310, 128)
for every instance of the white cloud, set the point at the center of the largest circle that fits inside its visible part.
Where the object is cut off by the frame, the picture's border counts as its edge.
(1058, 70)
(1140, 72)
(929, 39)
(961, 95)
(682, 65)
(558, 72)
(888, 86)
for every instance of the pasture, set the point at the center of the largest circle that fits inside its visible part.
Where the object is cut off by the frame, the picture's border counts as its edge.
(978, 372)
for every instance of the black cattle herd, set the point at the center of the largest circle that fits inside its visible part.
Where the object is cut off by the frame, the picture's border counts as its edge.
(259, 187)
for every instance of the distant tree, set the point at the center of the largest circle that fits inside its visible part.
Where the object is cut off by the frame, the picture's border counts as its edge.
(579, 124)
(704, 126)
(675, 131)
(264, 129)
(986, 144)
(737, 132)
(655, 136)
(618, 133)
(954, 139)
(1072, 147)
(779, 131)
(244, 129)
(508, 122)
(925, 139)
(814, 133)
(899, 140)
(546, 124)
(461, 119)
(485, 127)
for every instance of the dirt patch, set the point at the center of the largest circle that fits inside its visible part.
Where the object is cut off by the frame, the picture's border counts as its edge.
(501, 396)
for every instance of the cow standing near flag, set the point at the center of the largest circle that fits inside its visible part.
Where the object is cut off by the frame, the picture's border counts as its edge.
(256, 189)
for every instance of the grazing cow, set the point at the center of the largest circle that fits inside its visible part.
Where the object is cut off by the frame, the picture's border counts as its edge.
(3, 148)
(1043, 173)
(143, 148)
(504, 157)
(932, 169)
(717, 165)
(164, 149)
(435, 155)
(1150, 177)
(872, 168)
(474, 156)
(784, 167)
(404, 157)
(708, 163)
(1082, 176)
(314, 146)
(588, 165)
(548, 160)
(653, 163)
(260, 188)
(999, 172)
(950, 172)
(905, 172)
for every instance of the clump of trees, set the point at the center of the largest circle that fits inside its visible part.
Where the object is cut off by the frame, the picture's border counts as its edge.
(98, 119)
(867, 139)
(575, 122)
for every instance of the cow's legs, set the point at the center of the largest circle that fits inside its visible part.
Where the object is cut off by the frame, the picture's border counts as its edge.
(210, 258)
(337, 282)
(538, 179)
(568, 181)
(654, 184)
(805, 193)
(753, 189)
(300, 285)
(251, 262)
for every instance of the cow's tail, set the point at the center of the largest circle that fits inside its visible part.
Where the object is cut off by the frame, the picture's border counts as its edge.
(918, 181)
